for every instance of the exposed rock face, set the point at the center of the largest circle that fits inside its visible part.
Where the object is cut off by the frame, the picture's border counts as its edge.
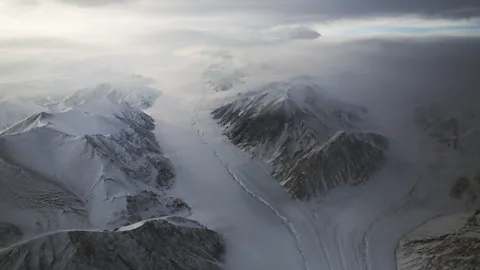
(284, 117)
(448, 242)
(346, 158)
(156, 244)
(467, 189)
(147, 205)
(313, 141)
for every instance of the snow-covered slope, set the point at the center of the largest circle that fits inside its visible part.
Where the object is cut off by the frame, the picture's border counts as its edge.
(294, 125)
(224, 75)
(89, 168)
(447, 242)
(14, 110)
(172, 243)
(70, 179)
(138, 96)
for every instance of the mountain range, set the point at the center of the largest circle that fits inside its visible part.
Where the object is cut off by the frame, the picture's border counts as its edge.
(79, 175)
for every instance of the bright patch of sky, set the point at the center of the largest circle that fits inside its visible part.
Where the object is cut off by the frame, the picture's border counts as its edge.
(402, 26)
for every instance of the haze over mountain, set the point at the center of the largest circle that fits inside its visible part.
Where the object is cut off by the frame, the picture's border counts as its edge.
(142, 134)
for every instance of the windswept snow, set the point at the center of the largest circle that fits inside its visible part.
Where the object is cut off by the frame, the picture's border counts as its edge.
(78, 169)
(13, 110)
(136, 95)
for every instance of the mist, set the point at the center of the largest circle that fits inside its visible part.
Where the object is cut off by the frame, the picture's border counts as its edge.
(190, 57)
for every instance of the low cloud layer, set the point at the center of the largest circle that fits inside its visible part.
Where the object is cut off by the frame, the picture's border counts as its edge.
(295, 32)
(63, 44)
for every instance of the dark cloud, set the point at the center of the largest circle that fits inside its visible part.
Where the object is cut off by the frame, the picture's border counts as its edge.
(331, 9)
(328, 9)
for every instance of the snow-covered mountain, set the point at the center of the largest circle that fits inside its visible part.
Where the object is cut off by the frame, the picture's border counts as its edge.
(94, 166)
(90, 166)
(136, 95)
(295, 126)
(171, 243)
(14, 110)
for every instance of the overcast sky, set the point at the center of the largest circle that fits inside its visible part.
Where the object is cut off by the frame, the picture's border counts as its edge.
(63, 44)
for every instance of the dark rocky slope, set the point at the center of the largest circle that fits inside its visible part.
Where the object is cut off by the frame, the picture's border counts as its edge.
(314, 142)
(174, 243)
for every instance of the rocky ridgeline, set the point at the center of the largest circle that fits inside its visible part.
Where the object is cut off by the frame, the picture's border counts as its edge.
(174, 243)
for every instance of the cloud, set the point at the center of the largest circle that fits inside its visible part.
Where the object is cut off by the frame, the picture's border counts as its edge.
(95, 3)
(293, 33)
(40, 43)
(229, 37)
(329, 9)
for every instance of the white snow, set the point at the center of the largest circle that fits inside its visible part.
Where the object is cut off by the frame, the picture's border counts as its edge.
(137, 95)
(14, 110)
(65, 170)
